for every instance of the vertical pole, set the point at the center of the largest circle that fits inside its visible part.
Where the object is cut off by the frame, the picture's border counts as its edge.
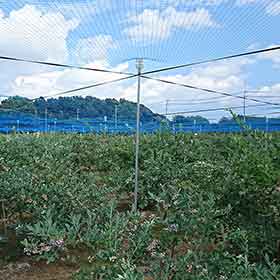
(78, 111)
(139, 66)
(35, 120)
(38, 123)
(116, 117)
(166, 107)
(105, 124)
(244, 106)
(17, 126)
(266, 124)
(46, 120)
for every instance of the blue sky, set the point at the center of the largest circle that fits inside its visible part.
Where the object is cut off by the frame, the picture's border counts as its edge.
(109, 33)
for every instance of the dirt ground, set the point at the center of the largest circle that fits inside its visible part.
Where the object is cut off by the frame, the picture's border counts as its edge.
(39, 270)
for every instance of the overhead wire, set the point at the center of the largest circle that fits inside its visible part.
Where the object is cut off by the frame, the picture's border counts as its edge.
(265, 96)
(221, 15)
(262, 26)
(90, 86)
(83, 32)
(210, 90)
(213, 109)
(146, 77)
(86, 11)
(130, 74)
(191, 16)
(267, 113)
(144, 73)
(62, 65)
(151, 72)
(159, 3)
(212, 60)
(234, 25)
(197, 99)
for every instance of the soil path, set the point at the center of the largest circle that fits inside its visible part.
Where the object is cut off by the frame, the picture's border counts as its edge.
(35, 271)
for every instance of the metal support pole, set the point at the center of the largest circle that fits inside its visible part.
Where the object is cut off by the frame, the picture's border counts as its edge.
(244, 106)
(46, 120)
(139, 66)
(36, 123)
(78, 111)
(116, 117)
(105, 124)
(166, 107)
(266, 123)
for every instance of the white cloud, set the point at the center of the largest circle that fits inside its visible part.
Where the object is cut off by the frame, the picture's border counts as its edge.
(45, 40)
(94, 48)
(222, 76)
(79, 9)
(193, 3)
(32, 34)
(49, 83)
(246, 2)
(225, 77)
(273, 56)
(273, 8)
(153, 24)
(273, 89)
(43, 36)
(207, 2)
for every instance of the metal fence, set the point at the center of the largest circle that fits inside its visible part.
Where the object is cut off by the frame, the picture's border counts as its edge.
(25, 123)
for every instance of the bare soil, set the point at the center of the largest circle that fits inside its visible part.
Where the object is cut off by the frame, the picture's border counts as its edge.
(22, 270)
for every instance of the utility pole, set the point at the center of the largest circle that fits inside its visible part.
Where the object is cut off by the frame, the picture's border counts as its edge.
(78, 111)
(139, 67)
(55, 126)
(194, 125)
(244, 105)
(36, 124)
(105, 124)
(46, 120)
(116, 117)
(166, 106)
